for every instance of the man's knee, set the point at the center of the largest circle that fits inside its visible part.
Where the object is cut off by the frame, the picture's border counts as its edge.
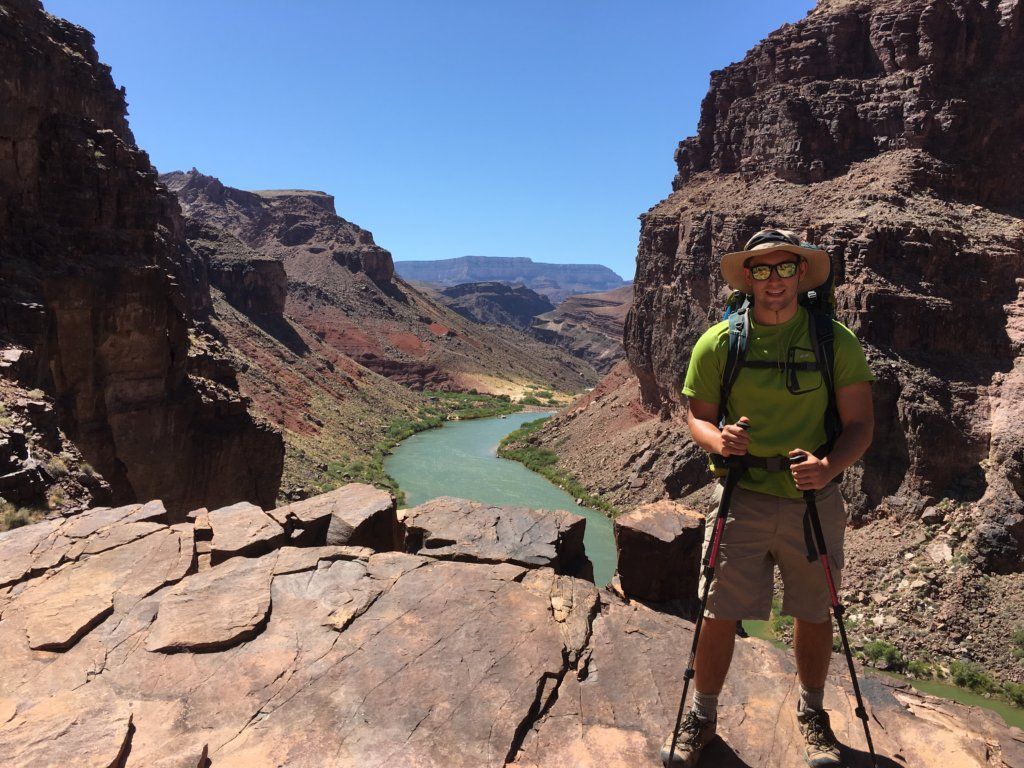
(719, 626)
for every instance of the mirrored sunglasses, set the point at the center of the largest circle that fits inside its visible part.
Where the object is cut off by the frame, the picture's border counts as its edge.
(764, 271)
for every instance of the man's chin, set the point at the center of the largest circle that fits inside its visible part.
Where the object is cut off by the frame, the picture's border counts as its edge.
(770, 304)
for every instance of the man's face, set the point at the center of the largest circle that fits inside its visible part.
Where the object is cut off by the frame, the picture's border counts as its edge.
(776, 293)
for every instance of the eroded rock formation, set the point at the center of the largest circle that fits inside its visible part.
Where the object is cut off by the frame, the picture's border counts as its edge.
(123, 647)
(496, 303)
(98, 291)
(588, 325)
(341, 289)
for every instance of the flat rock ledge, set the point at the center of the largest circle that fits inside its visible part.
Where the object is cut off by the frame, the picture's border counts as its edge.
(449, 528)
(119, 651)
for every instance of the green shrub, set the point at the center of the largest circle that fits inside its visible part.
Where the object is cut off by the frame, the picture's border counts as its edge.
(881, 651)
(921, 670)
(542, 393)
(529, 400)
(1018, 643)
(55, 467)
(1015, 693)
(781, 625)
(969, 675)
(15, 517)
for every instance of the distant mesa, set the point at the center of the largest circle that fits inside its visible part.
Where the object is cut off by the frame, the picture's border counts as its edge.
(556, 281)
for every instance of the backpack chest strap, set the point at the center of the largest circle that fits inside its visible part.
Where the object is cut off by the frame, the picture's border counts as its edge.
(805, 366)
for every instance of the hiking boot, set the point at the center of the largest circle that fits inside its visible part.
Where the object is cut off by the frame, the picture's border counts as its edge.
(694, 733)
(821, 748)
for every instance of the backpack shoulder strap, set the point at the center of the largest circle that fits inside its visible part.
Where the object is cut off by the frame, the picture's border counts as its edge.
(822, 334)
(739, 336)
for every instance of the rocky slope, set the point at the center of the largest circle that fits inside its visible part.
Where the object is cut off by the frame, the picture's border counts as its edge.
(341, 288)
(556, 281)
(889, 133)
(330, 409)
(308, 637)
(496, 303)
(99, 296)
(589, 325)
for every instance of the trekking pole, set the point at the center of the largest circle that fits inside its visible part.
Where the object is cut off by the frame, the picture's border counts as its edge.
(837, 608)
(710, 560)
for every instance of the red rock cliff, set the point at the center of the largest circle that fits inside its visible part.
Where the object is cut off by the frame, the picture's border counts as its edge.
(97, 284)
(891, 134)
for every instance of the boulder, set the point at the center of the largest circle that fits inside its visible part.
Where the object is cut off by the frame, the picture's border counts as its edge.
(659, 547)
(242, 529)
(356, 514)
(457, 529)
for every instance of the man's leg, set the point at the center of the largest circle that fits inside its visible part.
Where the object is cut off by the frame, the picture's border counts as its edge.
(714, 654)
(812, 643)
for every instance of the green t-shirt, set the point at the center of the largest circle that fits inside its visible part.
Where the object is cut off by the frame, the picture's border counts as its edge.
(786, 408)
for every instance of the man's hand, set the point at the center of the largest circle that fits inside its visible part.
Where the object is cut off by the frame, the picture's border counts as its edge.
(735, 439)
(811, 474)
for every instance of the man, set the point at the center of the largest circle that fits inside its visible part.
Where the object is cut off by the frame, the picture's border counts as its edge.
(783, 407)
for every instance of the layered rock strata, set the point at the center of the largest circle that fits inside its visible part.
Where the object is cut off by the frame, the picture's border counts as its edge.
(98, 290)
(588, 325)
(342, 290)
(120, 649)
(890, 135)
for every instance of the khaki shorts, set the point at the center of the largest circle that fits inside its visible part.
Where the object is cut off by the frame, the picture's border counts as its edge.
(763, 531)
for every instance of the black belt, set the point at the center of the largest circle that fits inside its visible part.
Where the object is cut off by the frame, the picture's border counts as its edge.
(747, 461)
(767, 463)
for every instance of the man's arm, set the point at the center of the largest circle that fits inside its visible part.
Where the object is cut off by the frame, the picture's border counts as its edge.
(856, 412)
(702, 419)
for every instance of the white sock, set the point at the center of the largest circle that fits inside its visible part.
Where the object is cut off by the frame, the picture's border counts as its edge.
(705, 706)
(812, 698)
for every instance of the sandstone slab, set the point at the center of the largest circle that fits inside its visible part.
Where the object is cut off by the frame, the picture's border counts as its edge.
(659, 547)
(457, 529)
(621, 710)
(242, 529)
(214, 609)
(93, 729)
(341, 656)
(60, 607)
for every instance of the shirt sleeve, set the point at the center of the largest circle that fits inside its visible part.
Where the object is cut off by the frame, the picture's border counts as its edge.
(704, 373)
(851, 364)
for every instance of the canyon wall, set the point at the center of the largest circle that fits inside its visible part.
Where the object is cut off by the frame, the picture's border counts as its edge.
(98, 291)
(892, 135)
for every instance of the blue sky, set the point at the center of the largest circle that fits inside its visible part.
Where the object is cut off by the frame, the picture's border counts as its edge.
(538, 129)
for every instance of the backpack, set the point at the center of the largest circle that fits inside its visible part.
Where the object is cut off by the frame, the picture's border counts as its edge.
(820, 305)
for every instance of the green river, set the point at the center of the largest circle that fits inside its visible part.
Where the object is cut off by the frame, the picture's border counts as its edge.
(459, 459)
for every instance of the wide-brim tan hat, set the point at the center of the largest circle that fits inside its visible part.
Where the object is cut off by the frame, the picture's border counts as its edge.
(772, 241)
